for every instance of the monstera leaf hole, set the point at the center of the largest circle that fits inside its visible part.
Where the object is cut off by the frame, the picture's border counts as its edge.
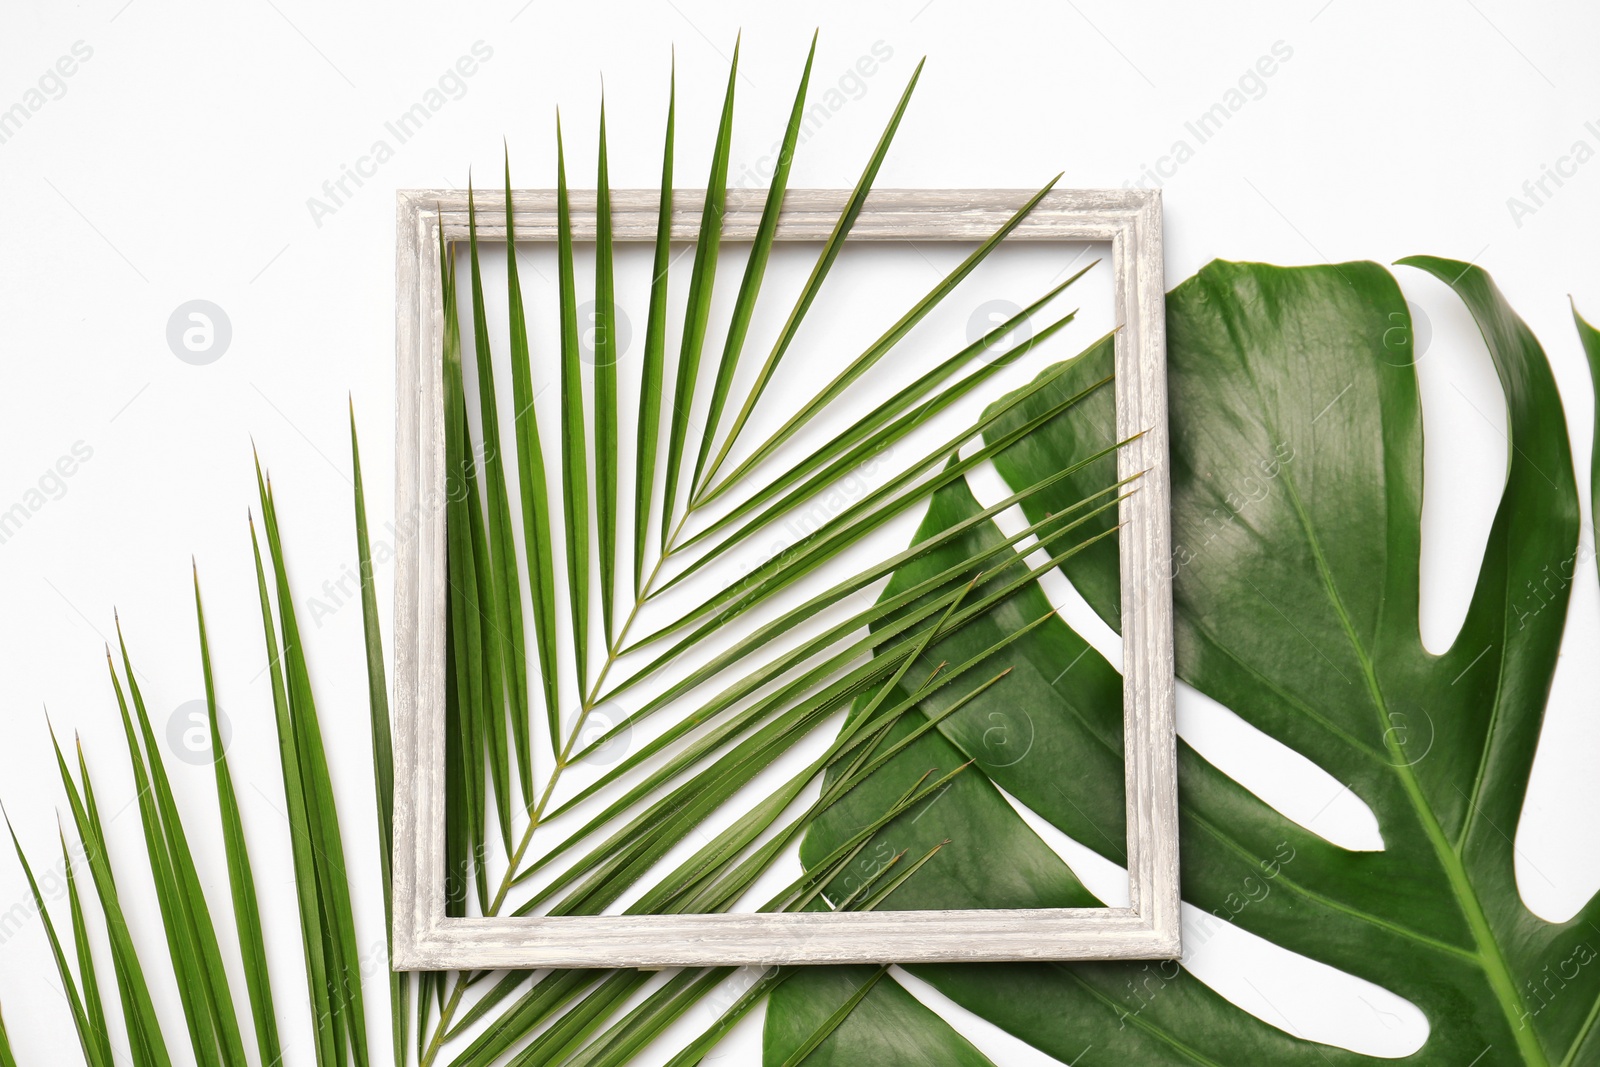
(1463, 451)
(1284, 777)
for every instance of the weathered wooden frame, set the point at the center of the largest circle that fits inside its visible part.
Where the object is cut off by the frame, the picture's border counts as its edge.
(425, 939)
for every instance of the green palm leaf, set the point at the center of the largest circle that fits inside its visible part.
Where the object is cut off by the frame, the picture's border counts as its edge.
(504, 643)
(318, 837)
(138, 1010)
(314, 943)
(191, 937)
(711, 753)
(241, 877)
(467, 617)
(382, 766)
(574, 447)
(534, 492)
(655, 345)
(7, 1058)
(879, 348)
(88, 1023)
(825, 260)
(698, 311)
(606, 412)
(755, 267)
(732, 719)
(94, 1008)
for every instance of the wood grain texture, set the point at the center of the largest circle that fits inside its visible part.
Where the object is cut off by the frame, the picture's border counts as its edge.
(424, 939)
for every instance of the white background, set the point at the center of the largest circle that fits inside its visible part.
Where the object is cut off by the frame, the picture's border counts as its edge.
(177, 161)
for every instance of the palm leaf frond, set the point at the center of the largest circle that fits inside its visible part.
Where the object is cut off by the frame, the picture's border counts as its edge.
(786, 649)
(92, 1038)
(191, 937)
(825, 260)
(697, 314)
(757, 705)
(318, 844)
(655, 345)
(138, 1010)
(507, 662)
(531, 480)
(7, 1057)
(241, 877)
(574, 440)
(382, 763)
(755, 268)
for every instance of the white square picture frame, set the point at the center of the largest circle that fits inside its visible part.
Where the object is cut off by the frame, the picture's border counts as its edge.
(425, 938)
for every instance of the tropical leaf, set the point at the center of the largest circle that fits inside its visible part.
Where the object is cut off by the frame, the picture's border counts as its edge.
(889, 1027)
(606, 410)
(755, 268)
(89, 1023)
(138, 1008)
(655, 347)
(504, 644)
(241, 876)
(825, 261)
(736, 717)
(533, 494)
(574, 447)
(1296, 469)
(7, 1058)
(698, 312)
(382, 762)
(96, 1033)
(327, 920)
(191, 938)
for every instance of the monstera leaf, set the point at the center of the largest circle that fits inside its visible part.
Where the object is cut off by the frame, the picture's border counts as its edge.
(1297, 495)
